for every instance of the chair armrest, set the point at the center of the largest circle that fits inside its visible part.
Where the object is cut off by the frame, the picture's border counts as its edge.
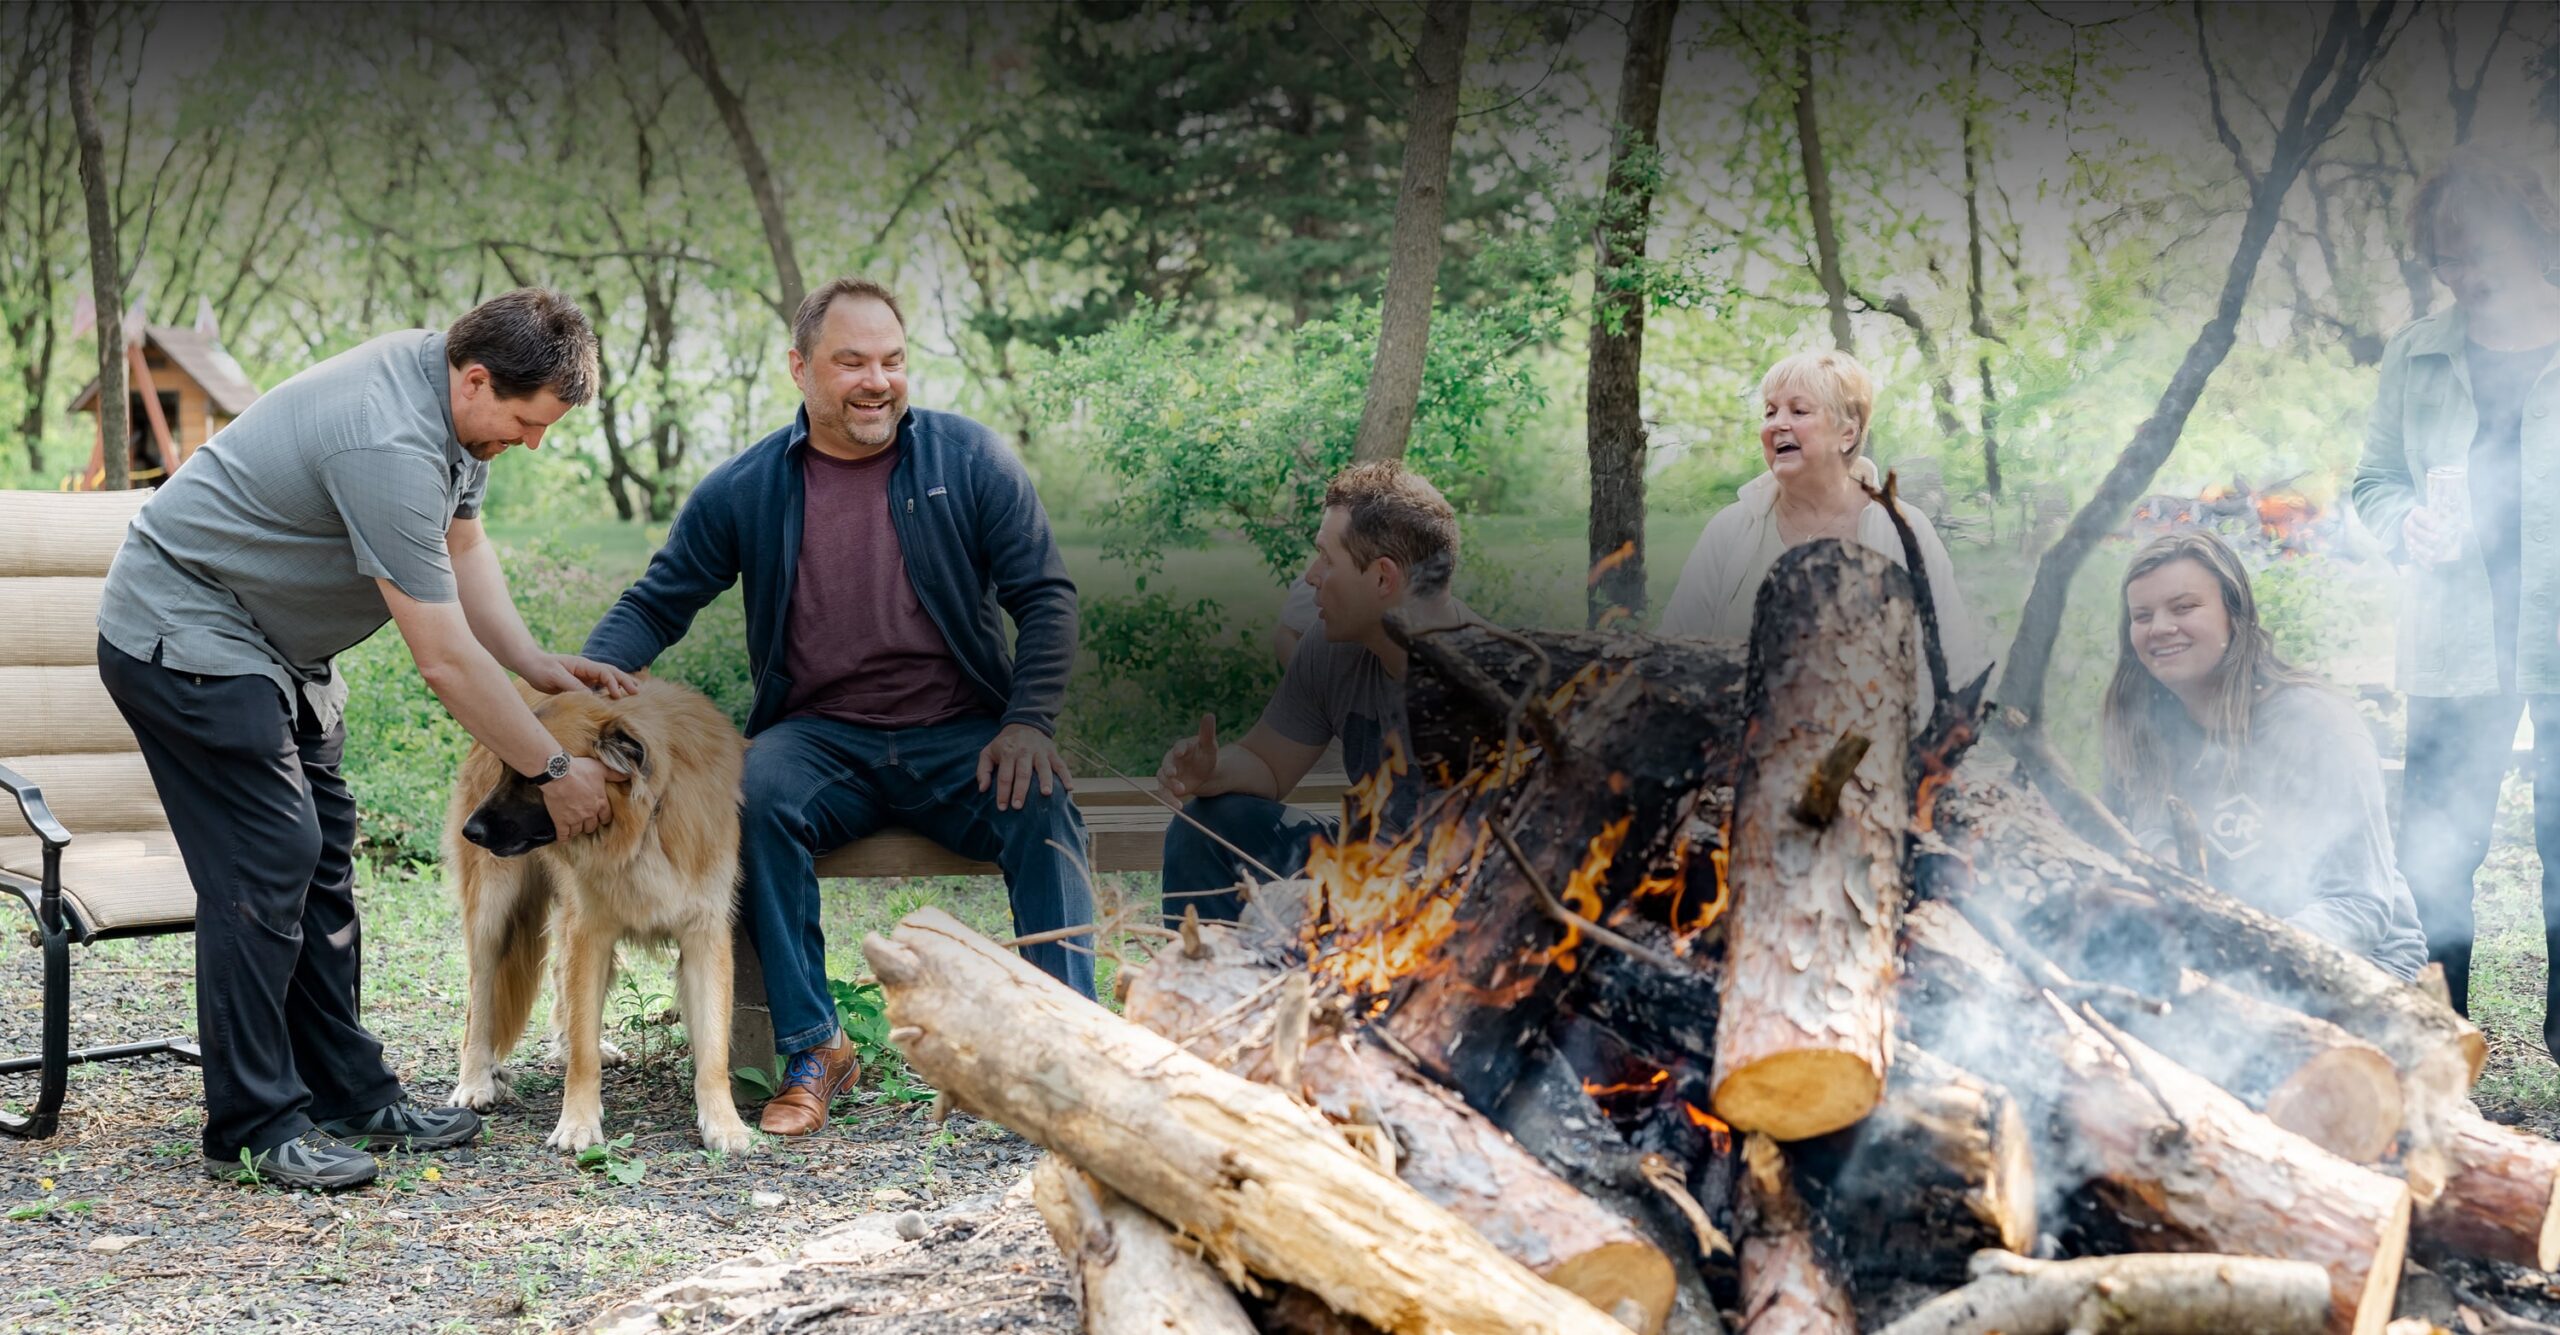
(31, 804)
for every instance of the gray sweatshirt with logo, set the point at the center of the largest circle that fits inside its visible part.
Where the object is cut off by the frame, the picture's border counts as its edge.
(2298, 828)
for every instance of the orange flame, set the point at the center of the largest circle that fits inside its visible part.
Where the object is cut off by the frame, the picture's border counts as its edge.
(1581, 891)
(1598, 1090)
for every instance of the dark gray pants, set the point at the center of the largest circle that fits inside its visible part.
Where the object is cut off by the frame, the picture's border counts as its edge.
(267, 828)
(2458, 754)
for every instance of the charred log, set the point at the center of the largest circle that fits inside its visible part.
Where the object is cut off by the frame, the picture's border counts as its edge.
(1230, 1008)
(1790, 1278)
(1941, 1169)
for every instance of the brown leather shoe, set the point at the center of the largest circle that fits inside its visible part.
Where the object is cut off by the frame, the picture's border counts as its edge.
(809, 1085)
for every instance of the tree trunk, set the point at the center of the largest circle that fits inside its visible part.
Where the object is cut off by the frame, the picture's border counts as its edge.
(106, 273)
(1803, 1032)
(1976, 307)
(2102, 922)
(1224, 1007)
(2347, 51)
(1413, 249)
(2307, 1075)
(1132, 1278)
(1790, 1283)
(1615, 432)
(682, 21)
(1263, 1181)
(2499, 1201)
(2140, 1294)
(1940, 1170)
(1817, 187)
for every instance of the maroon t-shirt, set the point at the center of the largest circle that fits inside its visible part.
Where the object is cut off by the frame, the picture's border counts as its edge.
(861, 649)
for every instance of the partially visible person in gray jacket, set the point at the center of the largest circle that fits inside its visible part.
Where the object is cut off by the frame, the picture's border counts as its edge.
(2277, 770)
(2461, 483)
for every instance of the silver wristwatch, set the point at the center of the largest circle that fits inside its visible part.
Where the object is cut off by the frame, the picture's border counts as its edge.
(556, 768)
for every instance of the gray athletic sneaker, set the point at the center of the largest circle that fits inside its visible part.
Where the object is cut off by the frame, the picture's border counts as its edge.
(404, 1125)
(312, 1160)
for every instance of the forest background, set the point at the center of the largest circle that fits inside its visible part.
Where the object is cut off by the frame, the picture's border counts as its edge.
(1150, 243)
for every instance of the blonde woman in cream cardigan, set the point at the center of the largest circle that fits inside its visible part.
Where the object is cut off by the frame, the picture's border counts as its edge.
(1815, 411)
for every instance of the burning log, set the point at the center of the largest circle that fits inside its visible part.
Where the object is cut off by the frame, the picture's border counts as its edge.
(2308, 1076)
(1574, 838)
(1803, 1030)
(1790, 1285)
(1463, 681)
(1132, 1278)
(1268, 1186)
(1941, 1170)
(1222, 1008)
(2141, 1294)
(2500, 1200)
(1663, 1015)
(2103, 921)
(2174, 1158)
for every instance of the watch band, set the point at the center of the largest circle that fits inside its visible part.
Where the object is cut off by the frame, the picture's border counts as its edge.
(556, 768)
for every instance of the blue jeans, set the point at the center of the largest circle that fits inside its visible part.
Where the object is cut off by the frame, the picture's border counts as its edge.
(1199, 871)
(814, 785)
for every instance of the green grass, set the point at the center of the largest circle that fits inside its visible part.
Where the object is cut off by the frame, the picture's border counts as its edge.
(2508, 967)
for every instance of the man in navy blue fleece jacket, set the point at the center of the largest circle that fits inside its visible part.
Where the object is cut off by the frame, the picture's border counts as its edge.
(878, 544)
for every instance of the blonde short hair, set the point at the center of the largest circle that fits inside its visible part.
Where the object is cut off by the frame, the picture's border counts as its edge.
(1833, 379)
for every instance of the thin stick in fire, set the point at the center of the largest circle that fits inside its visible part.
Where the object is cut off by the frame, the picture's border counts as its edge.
(1096, 758)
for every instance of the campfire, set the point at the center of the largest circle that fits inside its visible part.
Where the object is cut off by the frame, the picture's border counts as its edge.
(2270, 522)
(1713, 992)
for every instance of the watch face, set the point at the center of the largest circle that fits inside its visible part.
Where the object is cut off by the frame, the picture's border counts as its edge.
(559, 766)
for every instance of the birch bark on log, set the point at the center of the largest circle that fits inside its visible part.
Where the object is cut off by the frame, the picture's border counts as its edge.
(1803, 1031)
(1268, 1186)
(2141, 1294)
(2502, 1200)
(1132, 1277)
(1220, 1008)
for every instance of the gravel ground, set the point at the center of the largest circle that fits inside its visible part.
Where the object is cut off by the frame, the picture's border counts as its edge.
(113, 1226)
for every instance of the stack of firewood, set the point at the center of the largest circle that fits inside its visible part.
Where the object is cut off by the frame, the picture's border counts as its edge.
(1711, 992)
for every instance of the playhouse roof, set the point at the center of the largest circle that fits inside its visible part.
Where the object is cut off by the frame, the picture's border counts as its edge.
(202, 359)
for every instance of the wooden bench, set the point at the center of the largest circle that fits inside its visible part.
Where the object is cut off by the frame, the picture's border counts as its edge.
(83, 841)
(1124, 823)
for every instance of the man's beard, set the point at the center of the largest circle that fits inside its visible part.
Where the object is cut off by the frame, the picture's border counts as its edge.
(873, 437)
(486, 451)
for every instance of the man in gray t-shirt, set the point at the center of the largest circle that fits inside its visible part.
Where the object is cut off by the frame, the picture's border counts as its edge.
(346, 497)
(1389, 541)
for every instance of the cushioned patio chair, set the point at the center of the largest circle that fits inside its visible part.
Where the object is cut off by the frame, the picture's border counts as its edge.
(84, 844)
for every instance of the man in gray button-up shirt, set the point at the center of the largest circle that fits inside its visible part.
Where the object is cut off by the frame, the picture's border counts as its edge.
(347, 496)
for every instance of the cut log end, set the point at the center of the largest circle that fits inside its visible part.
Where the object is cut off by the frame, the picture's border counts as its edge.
(1630, 1280)
(2502, 1199)
(1798, 1094)
(2381, 1288)
(2346, 1101)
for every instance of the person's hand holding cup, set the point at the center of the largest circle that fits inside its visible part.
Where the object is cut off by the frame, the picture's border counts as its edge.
(2433, 533)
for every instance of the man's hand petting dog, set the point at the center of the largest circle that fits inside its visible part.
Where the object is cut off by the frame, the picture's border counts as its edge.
(577, 800)
(1018, 754)
(552, 674)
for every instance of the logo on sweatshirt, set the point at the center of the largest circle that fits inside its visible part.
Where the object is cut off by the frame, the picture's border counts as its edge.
(2236, 827)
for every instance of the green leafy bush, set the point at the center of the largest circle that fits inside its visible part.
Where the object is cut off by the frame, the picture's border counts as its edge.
(1160, 665)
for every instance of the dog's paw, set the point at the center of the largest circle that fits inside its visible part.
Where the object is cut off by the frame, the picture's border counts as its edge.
(727, 1135)
(480, 1094)
(610, 1055)
(576, 1133)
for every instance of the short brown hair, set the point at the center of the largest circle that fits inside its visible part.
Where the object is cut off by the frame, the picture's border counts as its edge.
(1396, 514)
(2486, 186)
(813, 309)
(530, 339)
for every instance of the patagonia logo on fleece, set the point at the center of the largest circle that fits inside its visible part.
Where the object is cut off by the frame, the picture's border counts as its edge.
(938, 491)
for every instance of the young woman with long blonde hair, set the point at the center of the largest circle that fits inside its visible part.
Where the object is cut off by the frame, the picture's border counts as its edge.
(2282, 779)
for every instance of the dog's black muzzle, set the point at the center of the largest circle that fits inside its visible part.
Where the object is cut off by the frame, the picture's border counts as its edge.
(511, 829)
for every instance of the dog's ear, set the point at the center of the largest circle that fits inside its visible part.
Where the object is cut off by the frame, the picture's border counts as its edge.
(624, 754)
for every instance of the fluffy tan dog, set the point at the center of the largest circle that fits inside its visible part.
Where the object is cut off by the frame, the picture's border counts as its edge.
(665, 870)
